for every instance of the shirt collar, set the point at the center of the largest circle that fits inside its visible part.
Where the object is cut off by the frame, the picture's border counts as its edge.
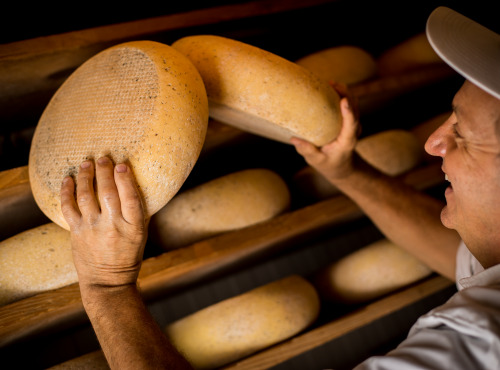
(489, 276)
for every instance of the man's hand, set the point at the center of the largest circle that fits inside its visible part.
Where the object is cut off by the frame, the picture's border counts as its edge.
(335, 159)
(108, 227)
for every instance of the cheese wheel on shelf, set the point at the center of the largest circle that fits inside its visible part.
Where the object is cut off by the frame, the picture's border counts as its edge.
(370, 272)
(263, 93)
(35, 261)
(141, 102)
(412, 53)
(393, 152)
(346, 64)
(226, 203)
(244, 324)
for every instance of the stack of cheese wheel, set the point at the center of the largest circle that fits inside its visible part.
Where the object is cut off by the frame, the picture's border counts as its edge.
(244, 324)
(226, 203)
(142, 102)
(262, 93)
(392, 152)
(35, 261)
(345, 64)
(412, 53)
(369, 273)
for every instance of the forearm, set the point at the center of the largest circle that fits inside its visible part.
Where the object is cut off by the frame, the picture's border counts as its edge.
(127, 333)
(408, 217)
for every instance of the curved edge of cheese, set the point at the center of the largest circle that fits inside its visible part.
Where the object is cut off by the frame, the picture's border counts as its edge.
(241, 325)
(35, 261)
(344, 64)
(263, 93)
(226, 203)
(370, 272)
(392, 152)
(150, 84)
(412, 53)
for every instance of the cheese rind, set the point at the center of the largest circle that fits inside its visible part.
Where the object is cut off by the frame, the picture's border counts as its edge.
(346, 64)
(244, 324)
(370, 272)
(35, 261)
(141, 102)
(263, 93)
(230, 202)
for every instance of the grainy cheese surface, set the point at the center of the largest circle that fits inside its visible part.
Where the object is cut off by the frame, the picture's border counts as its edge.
(35, 261)
(141, 102)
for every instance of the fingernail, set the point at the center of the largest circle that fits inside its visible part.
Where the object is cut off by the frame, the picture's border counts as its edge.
(103, 161)
(121, 168)
(85, 164)
(66, 179)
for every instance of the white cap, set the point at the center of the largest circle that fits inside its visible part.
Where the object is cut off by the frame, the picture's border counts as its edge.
(468, 47)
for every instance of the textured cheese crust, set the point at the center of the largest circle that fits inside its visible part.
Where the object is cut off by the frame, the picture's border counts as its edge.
(241, 325)
(227, 203)
(343, 64)
(35, 261)
(262, 93)
(141, 102)
(370, 272)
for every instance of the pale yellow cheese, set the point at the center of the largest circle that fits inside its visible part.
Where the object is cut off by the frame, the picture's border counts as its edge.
(372, 271)
(142, 102)
(411, 53)
(241, 325)
(263, 93)
(346, 64)
(35, 261)
(230, 202)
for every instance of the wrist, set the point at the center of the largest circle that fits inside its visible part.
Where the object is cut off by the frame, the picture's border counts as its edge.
(102, 293)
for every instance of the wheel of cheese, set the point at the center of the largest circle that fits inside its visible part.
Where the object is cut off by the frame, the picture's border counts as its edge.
(263, 93)
(35, 261)
(244, 324)
(344, 64)
(412, 53)
(142, 102)
(372, 271)
(226, 203)
(392, 152)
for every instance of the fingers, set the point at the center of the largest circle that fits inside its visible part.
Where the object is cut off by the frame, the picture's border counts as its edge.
(131, 205)
(305, 148)
(85, 194)
(107, 191)
(348, 134)
(69, 207)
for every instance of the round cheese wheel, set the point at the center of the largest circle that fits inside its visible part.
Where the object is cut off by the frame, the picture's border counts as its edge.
(262, 93)
(392, 152)
(35, 261)
(242, 325)
(142, 102)
(345, 64)
(412, 53)
(226, 203)
(372, 271)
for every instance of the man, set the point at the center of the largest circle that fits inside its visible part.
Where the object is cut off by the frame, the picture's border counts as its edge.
(108, 240)
(464, 333)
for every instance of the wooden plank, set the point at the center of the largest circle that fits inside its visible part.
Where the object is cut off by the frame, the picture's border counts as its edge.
(173, 270)
(32, 70)
(335, 329)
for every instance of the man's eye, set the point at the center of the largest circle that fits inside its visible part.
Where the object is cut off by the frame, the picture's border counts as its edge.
(455, 132)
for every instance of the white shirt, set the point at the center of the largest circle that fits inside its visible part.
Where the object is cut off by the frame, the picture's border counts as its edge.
(463, 333)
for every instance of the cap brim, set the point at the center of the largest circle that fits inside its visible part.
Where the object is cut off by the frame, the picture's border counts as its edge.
(468, 47)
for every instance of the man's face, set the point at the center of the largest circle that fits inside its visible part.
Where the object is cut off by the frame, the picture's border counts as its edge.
(469, 144)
